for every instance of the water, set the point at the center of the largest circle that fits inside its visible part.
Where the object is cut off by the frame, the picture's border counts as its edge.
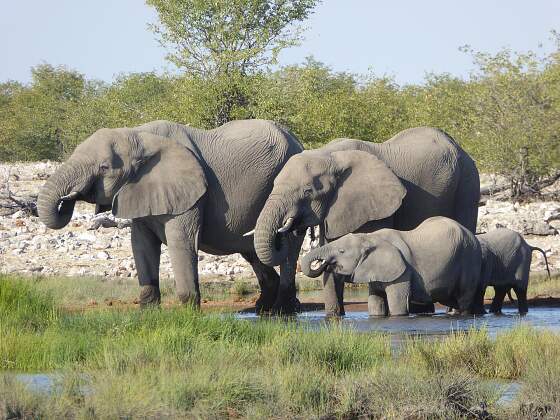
(438, 324)
(509, 393)
(40, 382)
(49, 383)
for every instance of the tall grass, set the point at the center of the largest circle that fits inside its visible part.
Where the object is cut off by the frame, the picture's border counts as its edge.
(177, 362)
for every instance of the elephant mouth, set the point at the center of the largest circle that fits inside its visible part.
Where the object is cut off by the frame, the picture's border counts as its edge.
(88, 196)
(295, 226)
(318, 266)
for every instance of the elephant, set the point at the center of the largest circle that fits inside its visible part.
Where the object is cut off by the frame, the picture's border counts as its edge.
(184, 187)
(358, 186)
(506, 261)
(438, 261)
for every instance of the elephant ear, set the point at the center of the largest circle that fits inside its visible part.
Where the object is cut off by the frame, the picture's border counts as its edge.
(383, 263)
(367, 190)
(168, 180)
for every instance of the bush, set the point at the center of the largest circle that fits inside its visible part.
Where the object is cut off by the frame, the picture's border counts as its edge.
(506, 115)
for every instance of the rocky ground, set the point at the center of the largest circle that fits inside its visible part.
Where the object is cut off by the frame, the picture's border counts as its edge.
(100, 245)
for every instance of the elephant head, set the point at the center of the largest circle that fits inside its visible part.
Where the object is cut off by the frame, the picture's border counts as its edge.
(364, 258)
(134, 173)
(342, 189)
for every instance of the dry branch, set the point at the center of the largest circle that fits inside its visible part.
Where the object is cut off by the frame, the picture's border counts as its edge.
(10, 203)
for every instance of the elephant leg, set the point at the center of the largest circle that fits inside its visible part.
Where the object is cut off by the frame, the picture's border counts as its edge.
(268, 282)
(470, 293)
(521, 300)
(286, 300)
(333, 290)
(478, 304)
(398, 295)
(377, 302)
(146, 249)
(497, 302)
(182, 233)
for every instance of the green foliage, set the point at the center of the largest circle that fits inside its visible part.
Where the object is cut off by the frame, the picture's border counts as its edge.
(516, 115)
(32, 119)
(224, 42)
(506, 115)
(210, 38)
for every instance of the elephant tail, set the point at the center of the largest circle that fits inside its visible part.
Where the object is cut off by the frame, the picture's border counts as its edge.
(536, 248)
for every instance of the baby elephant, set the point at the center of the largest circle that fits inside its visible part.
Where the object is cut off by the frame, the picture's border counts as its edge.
(439, 261)
(506, 260)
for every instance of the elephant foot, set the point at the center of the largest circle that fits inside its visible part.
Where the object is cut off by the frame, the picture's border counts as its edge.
(377, 314)
(189, 300)
(264, 304)
(150, 296)
(478, 310)
(286, 306)
(459, 312)
(421, 308)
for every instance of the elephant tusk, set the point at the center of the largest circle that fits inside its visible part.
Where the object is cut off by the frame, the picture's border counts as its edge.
(251, 232)
(72, 196)
(287, 225)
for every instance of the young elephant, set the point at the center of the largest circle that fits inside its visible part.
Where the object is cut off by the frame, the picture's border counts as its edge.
(439, 261)
(506, 260)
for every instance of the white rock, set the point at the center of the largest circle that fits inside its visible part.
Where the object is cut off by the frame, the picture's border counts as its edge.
(101, 245)
(18, 214)
(86, 236)
(102, 255)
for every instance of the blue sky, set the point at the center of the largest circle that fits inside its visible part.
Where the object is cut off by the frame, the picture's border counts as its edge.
(401, 38)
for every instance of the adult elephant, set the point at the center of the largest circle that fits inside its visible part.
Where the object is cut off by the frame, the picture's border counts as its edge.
(188, 188)
(357, 186)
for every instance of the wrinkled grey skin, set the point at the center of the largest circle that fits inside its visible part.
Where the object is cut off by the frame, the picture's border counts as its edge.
(506, 261)
(357, 186)
(188, 188)
(439, 261)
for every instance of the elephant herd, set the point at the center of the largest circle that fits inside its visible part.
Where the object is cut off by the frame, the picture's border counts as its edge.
(400, 215)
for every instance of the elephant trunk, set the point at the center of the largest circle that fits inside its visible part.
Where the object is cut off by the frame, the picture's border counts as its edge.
(57, 198)
(270, 245)
(321, 254)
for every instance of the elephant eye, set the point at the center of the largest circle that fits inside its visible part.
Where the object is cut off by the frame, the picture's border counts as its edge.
(104, 167)
(341, 251)
(307, 190)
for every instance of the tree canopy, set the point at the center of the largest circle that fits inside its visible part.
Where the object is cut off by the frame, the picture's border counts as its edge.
(506, 114)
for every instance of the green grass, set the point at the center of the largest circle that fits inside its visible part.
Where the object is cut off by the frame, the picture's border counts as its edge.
(176, 362)
(77, 292)
(242, 288)
(540, 285)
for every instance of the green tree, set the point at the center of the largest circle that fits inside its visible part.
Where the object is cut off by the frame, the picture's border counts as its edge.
(309, 99)
(516, 116)
(442, 101)
(224, 41)
(34, 117)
